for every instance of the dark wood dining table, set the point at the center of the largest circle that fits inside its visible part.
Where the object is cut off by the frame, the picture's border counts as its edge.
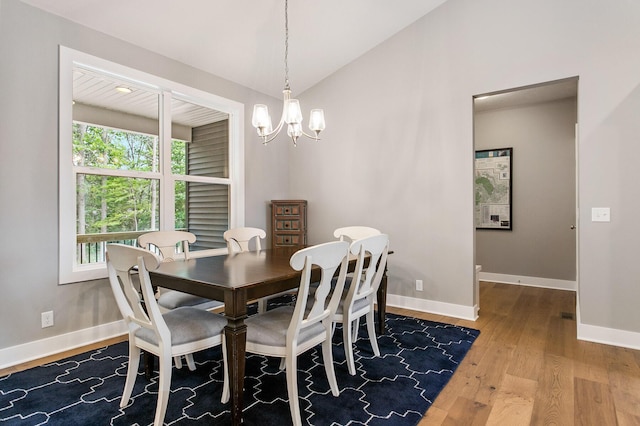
(237, 279)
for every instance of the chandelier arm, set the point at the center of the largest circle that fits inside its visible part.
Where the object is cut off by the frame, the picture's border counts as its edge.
(310, 136)
(265, 141)
(268, 137)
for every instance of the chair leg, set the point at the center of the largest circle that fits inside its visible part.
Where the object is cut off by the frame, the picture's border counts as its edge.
(177, 360)
(371, 329)
(190, 362)
(132, 372)
(348, 345)
(356, 327)
(327, 358)
(164, 386)
(226, 392)
(262, 305)
(292, 388)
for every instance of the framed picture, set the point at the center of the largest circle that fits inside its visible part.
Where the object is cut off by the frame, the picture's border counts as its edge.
(493, 189)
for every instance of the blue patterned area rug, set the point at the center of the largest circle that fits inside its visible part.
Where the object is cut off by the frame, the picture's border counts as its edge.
(417, 360)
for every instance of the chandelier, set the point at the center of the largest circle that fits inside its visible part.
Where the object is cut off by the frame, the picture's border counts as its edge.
(291, 113)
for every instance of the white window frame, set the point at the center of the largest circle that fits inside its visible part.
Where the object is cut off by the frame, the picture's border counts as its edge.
(69, 271)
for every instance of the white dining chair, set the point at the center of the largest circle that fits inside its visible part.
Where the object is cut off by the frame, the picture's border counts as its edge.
(288, 331)
(172, 246)
(244, 239)
(166, 243)
(360, 293)
(175, 333)
(352, 233)
(241, 239)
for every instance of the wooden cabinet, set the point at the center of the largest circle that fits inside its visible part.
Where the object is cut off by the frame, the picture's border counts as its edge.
(288, 223)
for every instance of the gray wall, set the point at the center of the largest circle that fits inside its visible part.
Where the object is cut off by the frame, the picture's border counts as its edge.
(399, 140)
(541, 243)
(29, 40)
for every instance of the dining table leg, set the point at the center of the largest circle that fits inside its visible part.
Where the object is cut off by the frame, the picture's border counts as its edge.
(235, 333)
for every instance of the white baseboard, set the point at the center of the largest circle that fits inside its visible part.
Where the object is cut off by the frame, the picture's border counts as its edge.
(609, 336)
(19, 354)
(528, 281)
(606, 336)
(590, 333)
(433, 307)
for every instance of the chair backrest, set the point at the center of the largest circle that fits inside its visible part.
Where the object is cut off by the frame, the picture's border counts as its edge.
(368, 278)
(121, 263)
(327, 257)
(166, 242)
(352, 233)
(238, 239)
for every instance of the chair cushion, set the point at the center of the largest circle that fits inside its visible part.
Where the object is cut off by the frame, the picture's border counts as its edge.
(171, 299)
(357, 305)
(270, 328)
(187, 325)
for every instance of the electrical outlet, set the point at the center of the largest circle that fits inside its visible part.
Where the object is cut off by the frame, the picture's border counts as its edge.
(47, 319)
(419, 285)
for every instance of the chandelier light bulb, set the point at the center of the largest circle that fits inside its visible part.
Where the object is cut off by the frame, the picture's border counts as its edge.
(260, 116)
(294, 130)
(293, 114)
(316, 121)
(261, 119)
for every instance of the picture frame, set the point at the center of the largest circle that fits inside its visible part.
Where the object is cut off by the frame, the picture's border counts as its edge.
(493, 189)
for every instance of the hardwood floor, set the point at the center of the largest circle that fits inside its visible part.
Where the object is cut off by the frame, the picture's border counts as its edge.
(526, 367)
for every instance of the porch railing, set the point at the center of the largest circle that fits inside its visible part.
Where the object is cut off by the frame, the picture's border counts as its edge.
(92, 247)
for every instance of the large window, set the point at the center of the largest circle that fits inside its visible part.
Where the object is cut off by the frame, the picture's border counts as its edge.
(140, 153)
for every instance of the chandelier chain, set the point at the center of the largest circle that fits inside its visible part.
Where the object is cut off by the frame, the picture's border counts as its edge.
(286, 44)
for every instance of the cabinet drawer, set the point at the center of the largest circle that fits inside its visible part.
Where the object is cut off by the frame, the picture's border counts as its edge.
(287, 225)
(287, 209)
(287, 239)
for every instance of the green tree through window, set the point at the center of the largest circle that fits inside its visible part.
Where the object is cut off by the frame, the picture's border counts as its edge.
(156, 156)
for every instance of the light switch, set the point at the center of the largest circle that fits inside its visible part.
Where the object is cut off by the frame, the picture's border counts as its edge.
(601, 214)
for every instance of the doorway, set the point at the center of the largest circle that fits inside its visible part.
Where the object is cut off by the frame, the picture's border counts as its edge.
(539, 123)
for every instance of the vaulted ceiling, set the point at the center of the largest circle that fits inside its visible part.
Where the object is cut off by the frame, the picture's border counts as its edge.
(243, 40)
